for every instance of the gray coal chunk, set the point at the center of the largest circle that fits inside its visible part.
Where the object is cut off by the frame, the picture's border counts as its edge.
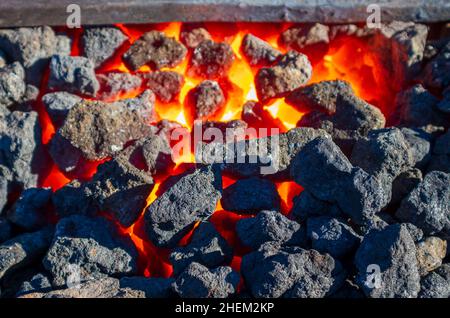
(436, 72)
(436, 284)
(306, 205)
(74, 74)
(21, 150)
(430, 253)
(299, 38)
(30, 211)
(156, 49)
(428, 205)
(257, 51)
(440, 160)
(114, 85)
(332, 236)
(12, 84)
(58, 105)
(419, 142)
(90, 247)
(118, 181)
(207, 247)
(384, 153)
(269, 226)
(23, 249)
(211, 60)
(251, 196)
(191, 38)
(205, 100)
(353, 119)
(192, 198)
(291, 272)
(37, 283)
(5, 229)
(321, 96)
(74, 198)
(33, 48)
(387, 264)
(404, 183)
(197, 281)
(142, 105)
(100, 43)
(64, 154)
(291, 71)
(165, 84)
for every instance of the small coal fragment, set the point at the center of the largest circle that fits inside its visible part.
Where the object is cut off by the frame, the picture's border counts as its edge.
(156, 49)
(440, 160)
(257, 51)
(99, 44)
(211, 60)
(387, 264)
(12, 85)
(30, 210)
(58, 105)
(205, 100)
(306, 205)
(207, 248)
(23, 249)
(251, 196)
(115, 85)
(192, 198)
(436, 72)
(74, 198)
(269, 226)
(321, 96)
(428, 205)
(291, 272)
(38, 283)
(332, 236)
(404, 183)
(436, 284)
(90, 246)
(197, 281)
(5, 229)
(419, 142)
(430, 254)
(292, 70)
(165, 84)
(118, 181)
(306, 36)
(192, 38)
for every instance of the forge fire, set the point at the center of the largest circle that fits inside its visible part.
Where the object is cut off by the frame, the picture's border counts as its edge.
(225, 160)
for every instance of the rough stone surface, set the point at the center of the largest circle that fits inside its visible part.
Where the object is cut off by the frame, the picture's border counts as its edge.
(91, 246)
(436, 72)
(211, 60)
(5, 229)
(193, 37)
(428, 205)
(58, 105)
(257, 51)
(38, 283)
(74, 74)
(299, 38)
(192, 198)
(197, 281)
(99, 44)
(430, 254)
(419, 142)
(12, 84)
(250, 196)
(74, 198)
(306, 205)
(156, 49)
(292, 70)
(114, 85)
(268, 226)
(165, 84)
(205, 100)
(404, 184)
(436, 284)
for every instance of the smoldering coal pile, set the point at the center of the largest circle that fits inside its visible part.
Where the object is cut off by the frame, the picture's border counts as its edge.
(350, 200)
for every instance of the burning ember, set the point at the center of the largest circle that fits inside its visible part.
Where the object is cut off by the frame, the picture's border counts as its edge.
(268, 159)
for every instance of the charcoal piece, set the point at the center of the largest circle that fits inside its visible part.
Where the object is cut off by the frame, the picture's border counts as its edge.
(292, 70)
(74, 74)
(38, 283)
(291, 272)
(211, 60)
(207, 247)
(419, 142)
(12, 85)
(156, 49)
(33, 47)
(251, 196)
(332, 236)
(197, 281)
(92, 247)
(205, 100)
(165, 84)
(74, 198)
(58, 105)
(387, 264)
(440, 160)
(192, 38)
(118, 181)
(30, 210)
(353, 119)
(321, 96)
(152, 287)
(21, 150)
(430, 253)
(436, 284)
(257, 51)
(436, 71)
(192, 198)
(268, 226)
(404, 183)
(305, 205)
(23, 249)
(384, 153)
(114, 85)
(428, 205)
(100, 43)
(64, 154)
(5, 229)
